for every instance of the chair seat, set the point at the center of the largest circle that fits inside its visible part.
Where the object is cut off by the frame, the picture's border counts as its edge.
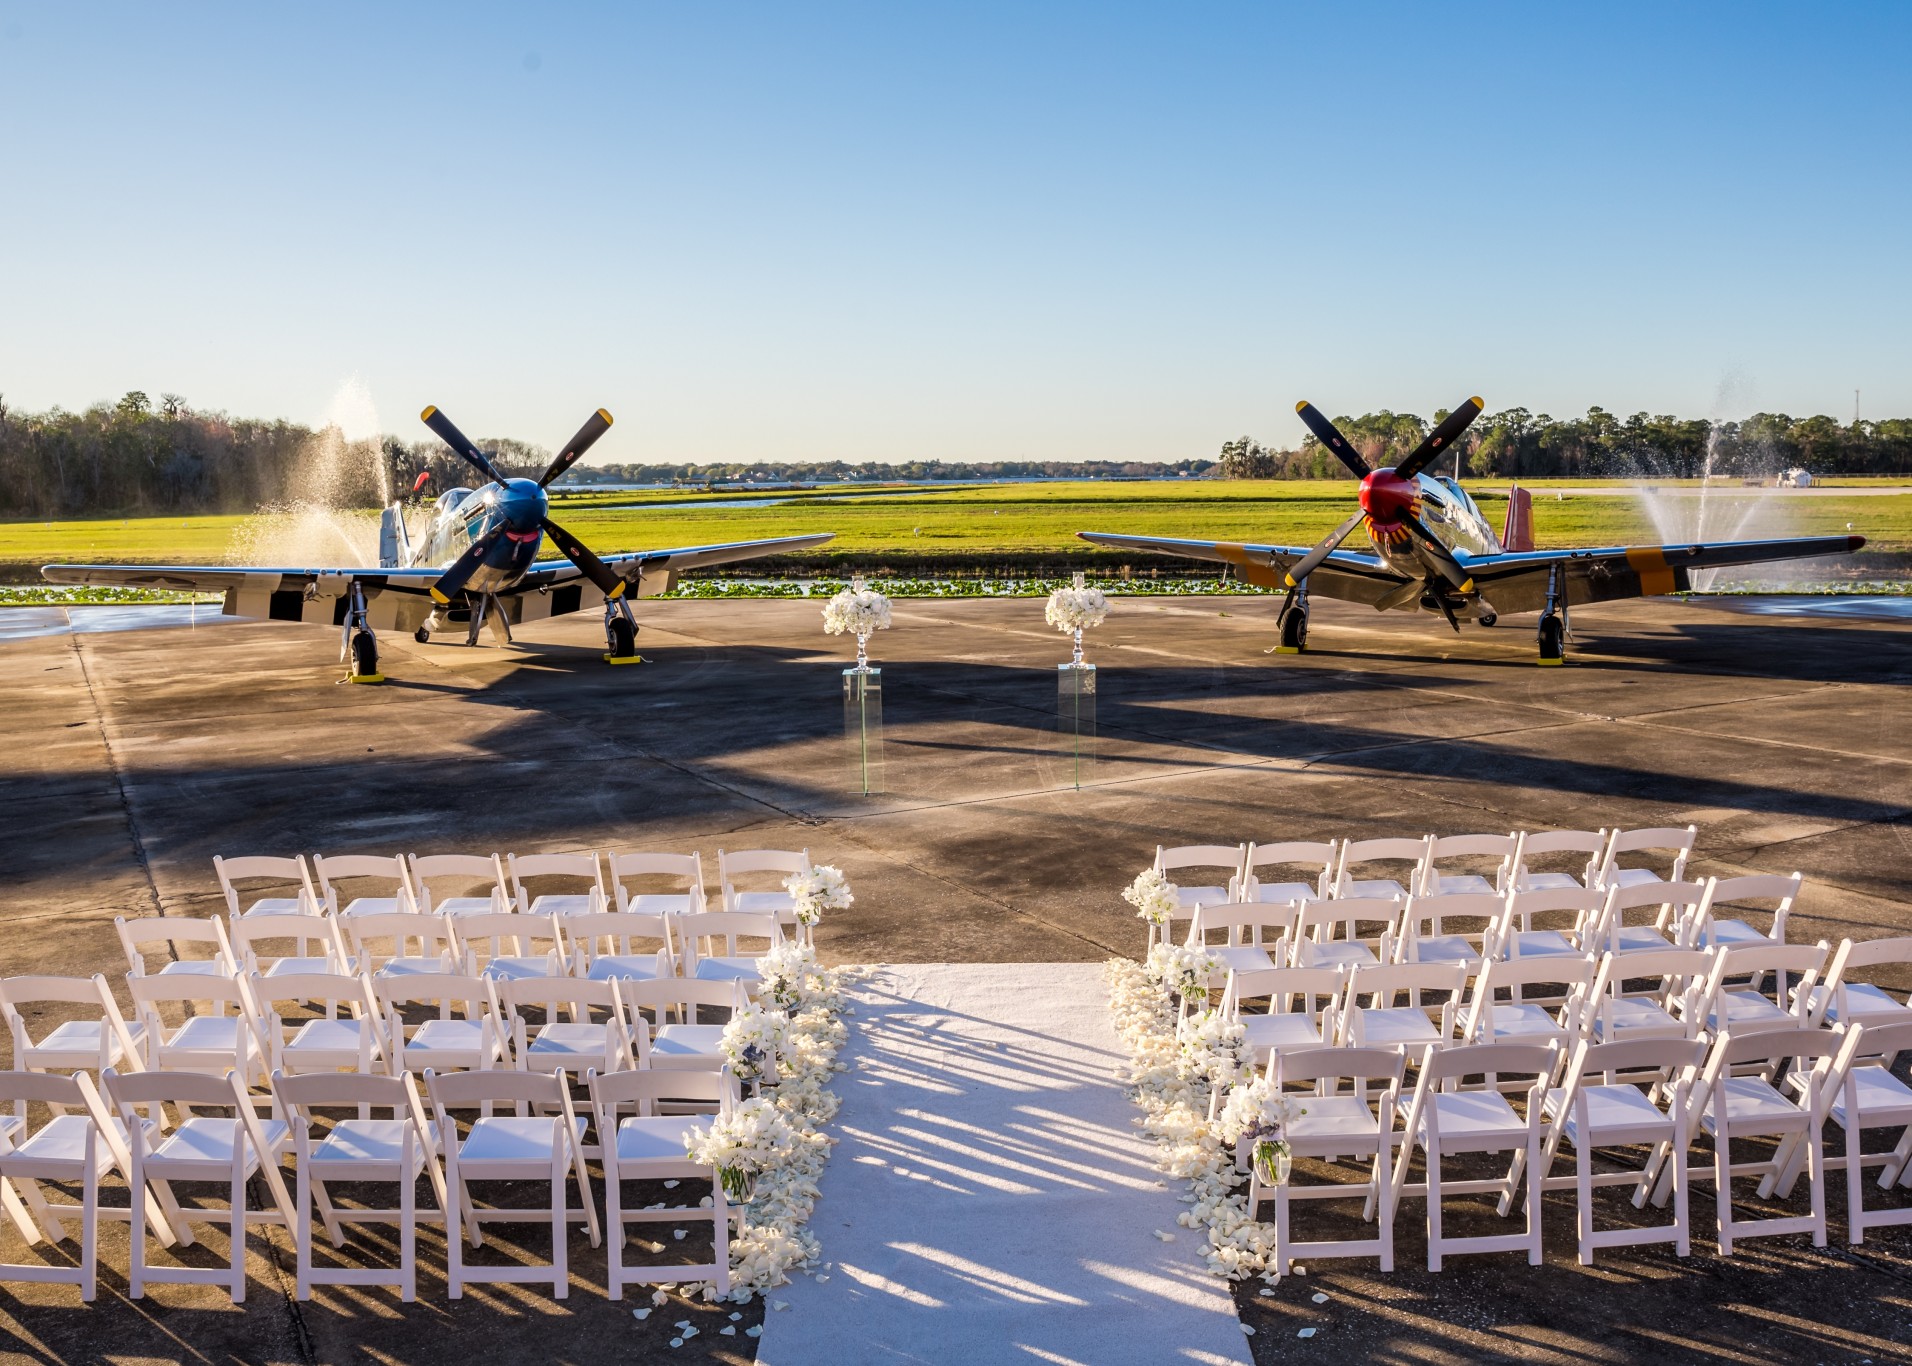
(1464, 884)
(1641, 939)
(369, 1141)
(760, 903)
(564, 903)
(515, 968)
(1540, 944)
(1283, 893)
(1375, 886)
(513, 1138)
(657, 1138)
(1242, 958)
(1632, 877)
(1616, 1109)
(1732, 932)
(194, 967)
(84, 1037)
(1745, 1010)
(374, 905)
(205, 1139)
(330, 1036)
(663, 903)
(1519, 1020)
(408, 967)
(61, 1142)
(686, 1042)
(1444, 948)
(1191, 897)
(447, 1036)
(1551, 882)
(274, 905)
(640, 967)
(1332, 1117)
(1865, 1004)
(207, 1034)
(456, 906)
(1336, 953)
(1472, 1117)
(1751, 1101)
(571, 1040)
(738, 969)
(1883, 1099)
(287, 967)
(1287, 1032)
(1629, 1016)
(1394, 1027)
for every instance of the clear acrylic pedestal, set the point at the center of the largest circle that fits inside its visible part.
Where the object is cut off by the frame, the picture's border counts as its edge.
(1075, 719)
(863, 727)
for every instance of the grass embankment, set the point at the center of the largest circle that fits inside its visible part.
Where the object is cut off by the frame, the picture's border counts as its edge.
(1019, 522)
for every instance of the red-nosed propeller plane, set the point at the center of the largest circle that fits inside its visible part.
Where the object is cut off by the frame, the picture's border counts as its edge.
(1434, 551)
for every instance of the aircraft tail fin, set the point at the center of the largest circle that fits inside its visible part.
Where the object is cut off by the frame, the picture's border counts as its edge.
(394, 544)
(1518, 533)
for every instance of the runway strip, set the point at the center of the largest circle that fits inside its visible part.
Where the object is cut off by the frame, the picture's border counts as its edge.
(990, 1199)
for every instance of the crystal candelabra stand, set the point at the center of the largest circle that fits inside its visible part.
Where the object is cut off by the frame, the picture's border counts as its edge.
(863, 724)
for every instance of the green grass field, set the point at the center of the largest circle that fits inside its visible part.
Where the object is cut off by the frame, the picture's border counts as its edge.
(1022, 519)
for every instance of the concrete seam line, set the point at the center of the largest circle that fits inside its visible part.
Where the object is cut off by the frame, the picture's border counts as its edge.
(113, 763)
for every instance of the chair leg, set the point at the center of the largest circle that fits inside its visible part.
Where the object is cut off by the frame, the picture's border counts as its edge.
(1583, 1198)
(302, 1234)
(1433, 1155)
(238, 1228)
(1535, 1178)
(89, 1229)
(1723, 1190)
(329, 1214)
(455, 1197)
(136, 1266)
(1816, 1173)
(720, 1234)
(1384, 1211)
(1282, 1236)
(1855, 1186)
(1682, 1209)
(16, 1210)
(614, 1239)
(408, 1236)
(560, 1279)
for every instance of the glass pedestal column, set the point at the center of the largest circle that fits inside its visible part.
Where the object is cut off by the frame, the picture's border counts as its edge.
(863, 728)
(1075, 719)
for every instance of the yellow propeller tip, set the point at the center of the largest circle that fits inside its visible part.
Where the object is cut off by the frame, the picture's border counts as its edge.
(606, 415)
(617, 592)
(426, 416)
(439, 597)
(1303, 404)
(1476, 401)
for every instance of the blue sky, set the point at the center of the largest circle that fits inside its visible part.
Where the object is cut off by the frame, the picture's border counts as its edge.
(974, 232)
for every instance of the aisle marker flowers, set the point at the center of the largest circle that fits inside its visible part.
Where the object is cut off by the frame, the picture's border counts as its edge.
(1154, 897)
(817, 889)
(861, 612)
(753, 1041)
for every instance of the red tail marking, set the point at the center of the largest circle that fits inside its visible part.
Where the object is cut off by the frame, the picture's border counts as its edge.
(1518, 534)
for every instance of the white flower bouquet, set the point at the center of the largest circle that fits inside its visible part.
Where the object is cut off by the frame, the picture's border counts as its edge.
(1154, 897)
(856, 611)
(817, 889)
(1074, 609)
(787, 972)
(753, 1039)
(1183, 969)
(1259, 1114)
(742, 1143)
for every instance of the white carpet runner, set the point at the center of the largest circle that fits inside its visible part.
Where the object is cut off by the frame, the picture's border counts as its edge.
(990, 1199)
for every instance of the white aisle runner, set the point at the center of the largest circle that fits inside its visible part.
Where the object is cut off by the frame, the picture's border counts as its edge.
(990, 1199)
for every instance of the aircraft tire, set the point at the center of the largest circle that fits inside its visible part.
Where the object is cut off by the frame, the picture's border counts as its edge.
(422, 636)
(1553, 646)
(1294, 631)
(364, 654)
(623, 639)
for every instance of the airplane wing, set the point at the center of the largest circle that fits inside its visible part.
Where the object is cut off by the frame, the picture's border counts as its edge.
(1344, 574)
(1517, 582)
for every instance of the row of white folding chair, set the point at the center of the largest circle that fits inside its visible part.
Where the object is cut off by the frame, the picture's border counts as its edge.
(1321, 869)
(160, 1136)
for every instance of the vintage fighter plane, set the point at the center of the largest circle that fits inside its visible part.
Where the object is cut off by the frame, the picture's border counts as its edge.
(1435, 552)
(476, 562)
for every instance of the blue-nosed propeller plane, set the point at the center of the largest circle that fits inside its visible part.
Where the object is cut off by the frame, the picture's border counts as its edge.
(1435, 552)
(476, 562)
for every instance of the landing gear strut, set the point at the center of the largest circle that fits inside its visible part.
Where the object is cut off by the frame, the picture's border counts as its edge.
(620, 633)
(1293, 622)
(357, 642)
(489, 609)
(1553, 626)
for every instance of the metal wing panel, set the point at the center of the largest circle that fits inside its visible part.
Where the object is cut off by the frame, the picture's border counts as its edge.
(1344, 574)
(1518, 582)
(393, 597)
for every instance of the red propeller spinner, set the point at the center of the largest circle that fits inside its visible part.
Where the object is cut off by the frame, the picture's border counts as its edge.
(1388, 498)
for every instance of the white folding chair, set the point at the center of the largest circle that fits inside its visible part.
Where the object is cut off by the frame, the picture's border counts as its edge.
(608, 945)
(1713, 924)
(99, 1039)
(1408, 1028)
(288, 890)
(327, 1041)
(169, 933)
(1746, 1009)
(581, 874)
(1253, 936)
(1356, 854)
(1525, 1016)
(539, 1140)
(1672, 904)
(1346, 932)
(479, 878)
(1858, 1091)
(1532, 845)
(1668, 1000)
(225, 1038)
(685, 1042)
(1450, 927)
(519, 944)
(777, 864)
(1608, 1101)
(76, 1148)
(391, 892)
(1480, 849)
(404, 942)
(685, 872)
(1300, 1014)
(1446, 1121)
(642, 1142)
(1666, 840)
(196, 1147)
(717, 944)
(593, 1034)
(1837, 999)
(467, 1034)
(392, 1151)
(1226, 859)
(1550, 922)
(1312, 860)
(1337, 1125)
(293, 943)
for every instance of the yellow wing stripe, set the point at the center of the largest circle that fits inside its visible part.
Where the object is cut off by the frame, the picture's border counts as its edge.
(1649, 562)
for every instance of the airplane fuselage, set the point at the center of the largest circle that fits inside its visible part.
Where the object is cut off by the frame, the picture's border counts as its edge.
(461, 516)
(1443, 508)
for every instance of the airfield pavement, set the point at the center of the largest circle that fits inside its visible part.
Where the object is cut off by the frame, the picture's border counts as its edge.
(134, 756)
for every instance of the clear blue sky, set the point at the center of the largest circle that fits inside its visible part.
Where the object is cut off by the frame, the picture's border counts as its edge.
(982, 231)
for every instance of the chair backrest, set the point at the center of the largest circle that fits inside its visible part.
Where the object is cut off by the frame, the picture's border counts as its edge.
(327, 989)
(1516, 975)
(1393, 849)
(472, 995)
(1532, 844)
(1456, 1061)
(1500, 848)
(570, 867)
(688, 994)
(309, 936)
(1673, 973)
(1381, 983)
(21, 1088)
(687, 870)
(387, 871)
(135, 1091)
(704, 930)
(1674, 904)
(1251, 922)
(168, 932)
(614, 932)
(473, 1090)
(1339, 1064)
(90, 993)
(1317, 857)
(780, 861)
(1668, 1056)
(574, 993)
(1224, 856)
(305, 1092)
(1371, 919)
(1874, 1042)
(514, 934)
(431, 935)
(1732, 897)
(1768, 1045)
(149, 993)
(1665, 839)
(1871, 953)
(642, 1089)
(1471, 915)
(487, 871)
(263, 868)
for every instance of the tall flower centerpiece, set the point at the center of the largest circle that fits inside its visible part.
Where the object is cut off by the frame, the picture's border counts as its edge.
(752, 1040)
(1258, 1113)
(1076, 608)
(861, 611)
(1184, 970)
(1073, 609)
(742, 1143)
(788, 975)
(817, 889)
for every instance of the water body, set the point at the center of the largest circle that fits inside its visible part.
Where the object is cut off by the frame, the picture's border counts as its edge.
(1816, 605)
(24, 623)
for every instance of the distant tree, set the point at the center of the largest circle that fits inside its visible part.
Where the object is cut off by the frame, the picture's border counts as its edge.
(135, 404)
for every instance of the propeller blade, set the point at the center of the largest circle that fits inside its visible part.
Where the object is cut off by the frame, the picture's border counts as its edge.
(459, 442)
(609, 582)
(1439, 439)
(1444, 561)
(1330, 436)
(462, 568)
(595, 426)
(1310, 562)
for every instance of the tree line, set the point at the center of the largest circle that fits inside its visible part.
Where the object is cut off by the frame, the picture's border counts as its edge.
(1515, 443)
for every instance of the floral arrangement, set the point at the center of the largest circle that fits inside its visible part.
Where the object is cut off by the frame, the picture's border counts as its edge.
(1257, 1113)
(753, 1039)
(817, 889)
(1077, 607)
(1154, 897)
(787, 972)
(1174, 1087)
(857, 611)
(742, 1142)
(1183, 969)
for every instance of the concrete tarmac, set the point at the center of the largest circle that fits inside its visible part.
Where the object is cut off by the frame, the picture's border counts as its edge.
(136, 755)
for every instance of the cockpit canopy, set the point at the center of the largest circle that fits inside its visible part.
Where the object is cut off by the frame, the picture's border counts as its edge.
(451, 498)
